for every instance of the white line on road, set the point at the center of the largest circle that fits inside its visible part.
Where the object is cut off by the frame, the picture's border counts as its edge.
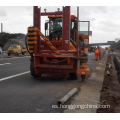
(13, 58)
(14, 76)
(5, 64)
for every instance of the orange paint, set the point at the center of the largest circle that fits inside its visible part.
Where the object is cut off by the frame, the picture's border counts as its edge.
(97, 53)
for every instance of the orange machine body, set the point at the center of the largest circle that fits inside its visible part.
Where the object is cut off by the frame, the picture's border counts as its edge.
(57, 51)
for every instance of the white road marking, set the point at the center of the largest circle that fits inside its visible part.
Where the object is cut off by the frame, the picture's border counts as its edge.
(14, 76)
(5, 64)
(13, 58)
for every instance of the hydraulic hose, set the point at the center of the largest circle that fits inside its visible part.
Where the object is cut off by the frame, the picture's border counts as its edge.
(73, 43)
(32, 59)
(27, 45)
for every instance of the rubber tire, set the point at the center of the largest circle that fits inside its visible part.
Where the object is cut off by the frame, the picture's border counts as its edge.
(32, 70)
(73, 76)
(23, 53)
(16, 54)
(8, 54)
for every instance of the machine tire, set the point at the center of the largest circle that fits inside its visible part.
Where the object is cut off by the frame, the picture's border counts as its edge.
(32, 70)
(73, 76)
(23, 53)
(8, 54)
(16, 54)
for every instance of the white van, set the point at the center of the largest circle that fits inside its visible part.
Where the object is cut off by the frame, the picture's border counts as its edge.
(0, 50)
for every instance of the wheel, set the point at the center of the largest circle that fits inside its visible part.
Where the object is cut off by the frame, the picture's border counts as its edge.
(16, 54)
(73, 76)
(32, 70)
(23, 53)
(8, 54)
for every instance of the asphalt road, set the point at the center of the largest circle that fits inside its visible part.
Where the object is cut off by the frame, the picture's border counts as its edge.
(13, 66)
(20, 93)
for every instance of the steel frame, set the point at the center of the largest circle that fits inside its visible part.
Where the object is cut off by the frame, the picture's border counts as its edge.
(40, 53)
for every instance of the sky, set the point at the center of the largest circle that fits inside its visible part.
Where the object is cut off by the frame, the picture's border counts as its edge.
(104, 20)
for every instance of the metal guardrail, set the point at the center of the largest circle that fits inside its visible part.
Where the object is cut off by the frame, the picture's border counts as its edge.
(117, 62)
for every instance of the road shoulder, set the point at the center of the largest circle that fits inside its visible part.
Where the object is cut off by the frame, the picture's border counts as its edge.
(90, 91)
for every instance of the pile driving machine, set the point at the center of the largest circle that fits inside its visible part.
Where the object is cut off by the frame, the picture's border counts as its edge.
(63, 49)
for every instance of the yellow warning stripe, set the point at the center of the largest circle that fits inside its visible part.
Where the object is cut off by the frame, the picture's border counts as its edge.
(50, 44)
(32, 29)
(35, 38)
(33, 33)
(31, 38)
(32, 42)
(31, 46)
(31, 51)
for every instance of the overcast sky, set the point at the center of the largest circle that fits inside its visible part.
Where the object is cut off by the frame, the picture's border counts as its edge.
(105, 20)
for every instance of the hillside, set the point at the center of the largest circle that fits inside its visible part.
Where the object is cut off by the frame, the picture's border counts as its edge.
(116, 46)
(6, 39)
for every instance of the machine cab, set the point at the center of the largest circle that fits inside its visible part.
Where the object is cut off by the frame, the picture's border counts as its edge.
(55, 24)
(82, 28)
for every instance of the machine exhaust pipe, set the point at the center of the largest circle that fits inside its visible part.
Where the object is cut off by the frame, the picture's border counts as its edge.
(67, 97)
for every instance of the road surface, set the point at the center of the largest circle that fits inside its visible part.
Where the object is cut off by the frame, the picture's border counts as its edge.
(20, 93)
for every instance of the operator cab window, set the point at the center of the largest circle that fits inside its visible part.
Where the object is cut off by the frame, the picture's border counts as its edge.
(72, 26)
(55, 24)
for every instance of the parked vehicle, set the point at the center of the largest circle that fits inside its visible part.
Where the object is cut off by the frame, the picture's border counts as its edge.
(16, 50)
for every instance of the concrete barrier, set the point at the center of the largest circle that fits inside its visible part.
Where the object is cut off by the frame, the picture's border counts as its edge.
(117, 65)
